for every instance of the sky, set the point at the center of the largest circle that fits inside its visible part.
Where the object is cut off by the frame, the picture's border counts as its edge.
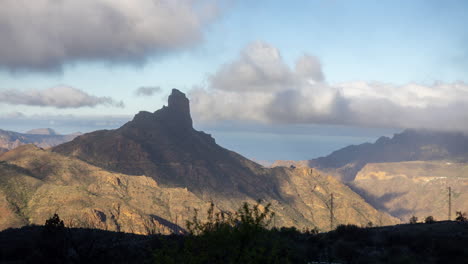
(268, 79)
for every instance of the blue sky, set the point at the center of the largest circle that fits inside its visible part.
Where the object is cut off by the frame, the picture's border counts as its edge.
(385, 45)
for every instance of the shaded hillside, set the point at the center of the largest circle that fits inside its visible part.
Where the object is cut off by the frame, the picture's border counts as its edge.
(417, 188)
(410, 145)
(164, 146)
(44, 138)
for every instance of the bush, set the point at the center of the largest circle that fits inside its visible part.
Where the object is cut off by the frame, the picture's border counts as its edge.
(413, 220)
(54, 223)
(242, 236)
(461, 217)
(429, 220)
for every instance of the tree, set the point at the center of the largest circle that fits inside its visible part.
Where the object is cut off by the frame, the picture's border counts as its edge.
(461, 217)
(429, 220)
(54, 222)
(413, 220)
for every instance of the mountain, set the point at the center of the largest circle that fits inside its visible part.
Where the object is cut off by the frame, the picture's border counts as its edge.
(408, 174)
(36, 183)
(410, 145)
(42, 131)
(418, 188)
(164, 146)
(44, 138)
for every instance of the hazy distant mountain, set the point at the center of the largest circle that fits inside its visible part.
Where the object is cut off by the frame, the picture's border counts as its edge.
(410, 145)
(42, 131)
(43, 137)
(164, 146)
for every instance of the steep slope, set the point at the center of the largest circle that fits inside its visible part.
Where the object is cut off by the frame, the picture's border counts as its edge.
(164, 146)
(417, 188)
(35, 184)
(42, 138)
(410, 145)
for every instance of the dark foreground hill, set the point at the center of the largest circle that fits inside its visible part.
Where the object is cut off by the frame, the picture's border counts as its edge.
(441, 242)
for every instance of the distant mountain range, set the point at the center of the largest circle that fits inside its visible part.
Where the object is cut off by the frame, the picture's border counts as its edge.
(41, 137)
(410, 145)
(153, 171)
(408, 174)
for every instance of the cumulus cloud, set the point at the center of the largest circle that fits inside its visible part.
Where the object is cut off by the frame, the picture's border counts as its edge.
(147, 90)
(259, 86)
(59, 97)
(46, 34)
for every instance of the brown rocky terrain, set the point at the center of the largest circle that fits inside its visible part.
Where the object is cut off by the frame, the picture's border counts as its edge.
(36, 183)
(44, 138)
(418, 188)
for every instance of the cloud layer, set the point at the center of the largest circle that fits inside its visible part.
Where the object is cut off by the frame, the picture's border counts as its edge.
(59, 97)
(44, 35)
(147, 90)
(259, 86)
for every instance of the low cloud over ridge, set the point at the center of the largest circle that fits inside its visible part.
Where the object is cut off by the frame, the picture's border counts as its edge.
(58, 97)
(259, 86)
(43, 35)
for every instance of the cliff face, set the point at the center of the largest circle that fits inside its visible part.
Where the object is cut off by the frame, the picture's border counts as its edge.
(417, 188)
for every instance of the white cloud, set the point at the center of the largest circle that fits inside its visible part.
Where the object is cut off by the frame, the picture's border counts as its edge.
(259, 86)
(46, 34)
(59, 97)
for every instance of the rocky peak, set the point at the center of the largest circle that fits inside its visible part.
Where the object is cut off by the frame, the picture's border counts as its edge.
(178, 102)
(176, 115)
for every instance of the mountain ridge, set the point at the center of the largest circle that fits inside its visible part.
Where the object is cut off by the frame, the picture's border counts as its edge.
(409, 145)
